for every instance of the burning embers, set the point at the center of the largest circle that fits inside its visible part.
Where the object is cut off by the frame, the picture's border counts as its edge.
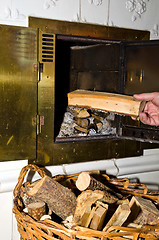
(87, 122)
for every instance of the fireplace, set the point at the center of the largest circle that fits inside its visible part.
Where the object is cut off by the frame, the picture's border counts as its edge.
(67, 56)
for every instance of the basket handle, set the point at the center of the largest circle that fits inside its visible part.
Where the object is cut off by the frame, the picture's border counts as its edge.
(23, 173)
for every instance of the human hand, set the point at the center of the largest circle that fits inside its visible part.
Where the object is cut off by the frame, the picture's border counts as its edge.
(150, 114)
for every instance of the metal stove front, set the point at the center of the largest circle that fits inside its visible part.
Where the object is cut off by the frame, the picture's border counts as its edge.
(50, 59)
(84, 57)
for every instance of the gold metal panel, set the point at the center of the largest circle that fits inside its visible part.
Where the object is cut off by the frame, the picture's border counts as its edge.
(18, 92)
(88, 30)
(89, 151)
(50, 152)
(46, 100)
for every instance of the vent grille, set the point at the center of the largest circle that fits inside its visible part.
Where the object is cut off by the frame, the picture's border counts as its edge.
(47, 47)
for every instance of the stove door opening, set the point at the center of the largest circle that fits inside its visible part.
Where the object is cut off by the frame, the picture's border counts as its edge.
(89, 64)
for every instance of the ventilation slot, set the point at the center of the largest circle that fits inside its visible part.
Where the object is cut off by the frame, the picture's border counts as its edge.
(47, 47)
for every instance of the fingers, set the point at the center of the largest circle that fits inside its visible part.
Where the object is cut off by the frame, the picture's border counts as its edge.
(133, 118)
(149, 120)
(150, 114)
(144, 118)
(146, 96)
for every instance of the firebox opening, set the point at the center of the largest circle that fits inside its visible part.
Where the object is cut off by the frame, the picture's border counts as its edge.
(90, 64)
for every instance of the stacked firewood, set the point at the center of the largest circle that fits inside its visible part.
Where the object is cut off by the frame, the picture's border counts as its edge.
(87, 200)
(80, 121)
(87, 121)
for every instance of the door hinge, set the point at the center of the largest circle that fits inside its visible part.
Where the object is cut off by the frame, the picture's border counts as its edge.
(39, 122)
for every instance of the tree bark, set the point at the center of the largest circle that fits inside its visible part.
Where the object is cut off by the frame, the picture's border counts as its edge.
(37, 210)
(86, 181)
(60, 199)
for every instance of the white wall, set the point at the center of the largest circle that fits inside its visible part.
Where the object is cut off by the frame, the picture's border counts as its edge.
(135, 14)
(9, 172)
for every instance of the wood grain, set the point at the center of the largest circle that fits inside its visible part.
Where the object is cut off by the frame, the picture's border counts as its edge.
(117, 103)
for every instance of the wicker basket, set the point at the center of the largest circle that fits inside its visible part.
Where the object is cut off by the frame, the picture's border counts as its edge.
(31, 229)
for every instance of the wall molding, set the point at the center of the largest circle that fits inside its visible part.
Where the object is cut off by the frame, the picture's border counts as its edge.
(148, 163)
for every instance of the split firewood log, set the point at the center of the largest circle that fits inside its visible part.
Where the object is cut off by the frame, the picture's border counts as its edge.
(84, 202)
(119, 217)
(82, 122)
(86, 223)
(99, 126)
(144, 211)
(60, 199)
(78, 112)
(23, 193)
(97, 117)
(83, 114)
(86, 181)
(98, 217)
(81, 129)
(116, 103)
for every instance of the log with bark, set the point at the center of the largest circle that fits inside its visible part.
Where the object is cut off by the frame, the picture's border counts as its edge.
(37, 210)
(60, 199)
(86, 181)
(117, 103)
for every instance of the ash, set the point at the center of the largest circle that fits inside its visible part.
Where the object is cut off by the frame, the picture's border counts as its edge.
(68, 126)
